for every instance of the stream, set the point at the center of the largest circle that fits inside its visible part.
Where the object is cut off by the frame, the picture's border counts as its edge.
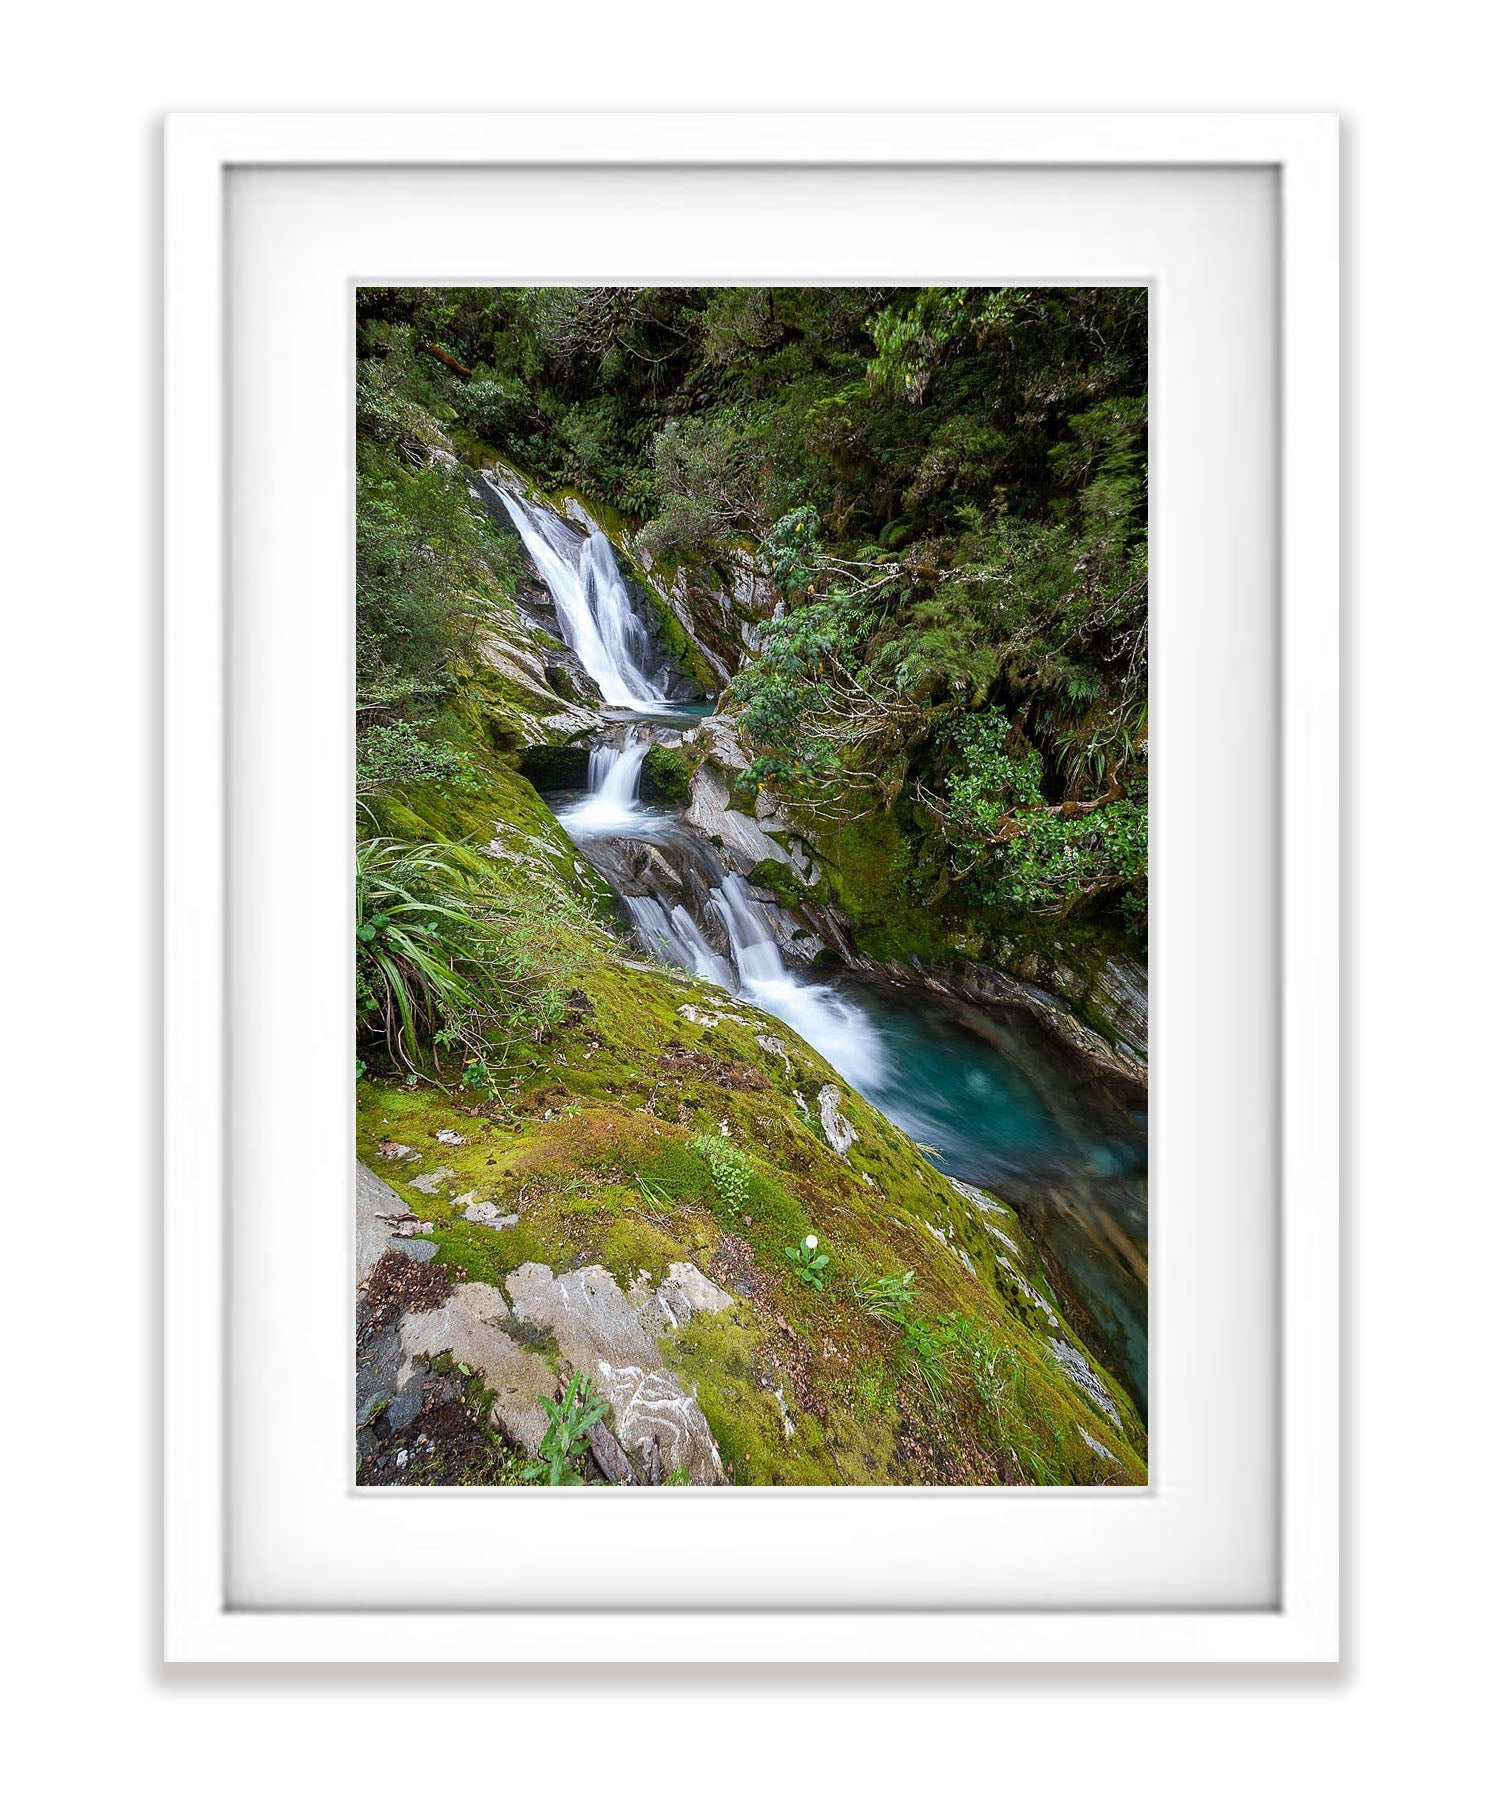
(988, 1094)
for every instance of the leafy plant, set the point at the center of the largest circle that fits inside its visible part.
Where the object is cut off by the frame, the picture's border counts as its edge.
(892, 1300)
(808, 1262)
(566, 1437)
(397, 754)
(729, 1167)
(887, 1298)
(446, 957)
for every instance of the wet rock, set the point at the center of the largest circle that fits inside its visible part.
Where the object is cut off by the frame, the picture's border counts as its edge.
(743, 842)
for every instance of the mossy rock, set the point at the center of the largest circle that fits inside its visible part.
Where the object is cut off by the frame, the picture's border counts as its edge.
(667, 775)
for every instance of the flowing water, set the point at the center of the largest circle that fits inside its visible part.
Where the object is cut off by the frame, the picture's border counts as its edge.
(597, 611)
(989, 1096)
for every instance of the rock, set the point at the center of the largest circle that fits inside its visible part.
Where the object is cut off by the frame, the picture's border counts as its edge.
(485, 1212)
(1075, 1366)
(836, 1128)
(471, 1327)
(378, 1208)
(391, 1152)
(598, 1329)
(431, 1182)
(651, 1408)
(614, 1464)
(1098, 1449)
(685, 1291)
(449, 1137)
(744, 843)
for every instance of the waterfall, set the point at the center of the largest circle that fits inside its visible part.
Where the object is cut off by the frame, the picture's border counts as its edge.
(613, 806)
(832, 1024)
(675, 938)
(595, 608)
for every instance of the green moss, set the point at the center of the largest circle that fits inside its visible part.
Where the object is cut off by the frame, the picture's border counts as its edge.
(780, 880)
(668, 775)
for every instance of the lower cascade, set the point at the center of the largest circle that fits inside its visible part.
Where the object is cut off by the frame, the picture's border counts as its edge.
(754, 966)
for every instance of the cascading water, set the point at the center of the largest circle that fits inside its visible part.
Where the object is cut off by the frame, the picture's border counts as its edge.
(673, 935)
(595, 609)
(754, 968)
(612, 807)
(829, 1021)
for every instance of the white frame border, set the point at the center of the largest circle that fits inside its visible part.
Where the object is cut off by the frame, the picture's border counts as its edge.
(201, 149)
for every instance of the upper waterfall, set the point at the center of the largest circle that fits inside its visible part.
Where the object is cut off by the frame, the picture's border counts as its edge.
(595, 608)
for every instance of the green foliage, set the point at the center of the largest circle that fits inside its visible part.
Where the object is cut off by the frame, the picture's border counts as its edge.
(949, 489)
(1015, 849)
(926, 1344)
(566, 1438)
(397, 754)
(808, 1262)
(729, 1168)
(449, 960)
(706, 482)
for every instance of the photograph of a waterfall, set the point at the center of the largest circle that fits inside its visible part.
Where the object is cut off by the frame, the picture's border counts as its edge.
(751, 1002)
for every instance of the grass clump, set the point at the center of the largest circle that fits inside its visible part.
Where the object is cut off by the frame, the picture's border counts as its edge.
(449, 961)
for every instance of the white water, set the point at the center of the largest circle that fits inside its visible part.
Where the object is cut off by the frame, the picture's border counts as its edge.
(595, 609)
(674, 937)
(829, 1021)
(612, 807)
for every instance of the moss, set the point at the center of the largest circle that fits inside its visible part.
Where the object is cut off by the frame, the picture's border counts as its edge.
(780, 880)
(667, 775)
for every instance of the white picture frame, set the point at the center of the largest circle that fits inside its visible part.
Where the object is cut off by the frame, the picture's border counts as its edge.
(204, 1620)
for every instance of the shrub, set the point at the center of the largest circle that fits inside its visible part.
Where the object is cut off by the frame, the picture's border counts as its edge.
(398, 755)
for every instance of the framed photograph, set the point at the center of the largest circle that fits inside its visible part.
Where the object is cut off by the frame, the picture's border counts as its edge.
(663, 618)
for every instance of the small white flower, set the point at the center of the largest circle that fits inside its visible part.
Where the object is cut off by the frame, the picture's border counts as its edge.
(811, 1242)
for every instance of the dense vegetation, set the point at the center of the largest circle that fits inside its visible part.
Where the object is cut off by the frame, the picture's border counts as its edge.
(948, 485)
